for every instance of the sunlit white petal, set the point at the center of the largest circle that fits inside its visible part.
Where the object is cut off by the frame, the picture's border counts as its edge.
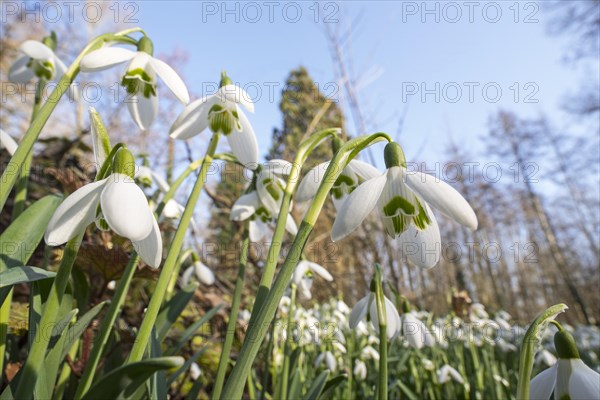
(150, 248)
(243, 143)
(357, 206)
(245, 206)
(238, 95)
(542, 385)
(8, 142)
(193, 120)
(37, 50)
(19, 72)
(125, 208)
(423, 247)
(171, 79)
(74, 214)
(143, 109)
(105, 58)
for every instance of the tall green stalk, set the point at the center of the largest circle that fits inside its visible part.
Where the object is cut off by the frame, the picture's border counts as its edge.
(18, 160)
(304, 151)
(285, 373)
(382, 317)
(105, 329)
(139, 347)
(258, 329)
(37, 352)
(233, 316)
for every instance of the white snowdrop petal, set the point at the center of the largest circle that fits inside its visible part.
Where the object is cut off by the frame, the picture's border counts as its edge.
(143, 110)
(245, 206)
(359, 312)
(423, 247)
(19, 72)
(364, 170)
(357, 206)
(204, 274)
(105, 58)
(187, 275)
(443, 197)
(74, 214)
(542, 385)
(290, 225)
(150, 248)
(37, 50)
(7, 142)
(193, 119)
(243, 143)
(585, 382)
(319, 270)
(310, 182)
(171, 79)
(125, 208)
(238, 95)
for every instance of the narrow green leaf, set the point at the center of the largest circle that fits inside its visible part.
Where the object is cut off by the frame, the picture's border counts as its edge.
(317, 386)
(24, 274)
(295, 389)
(122, 382)
(331, 385)
(77, 329)
(187, 365)
(172, 309)
(192, 329)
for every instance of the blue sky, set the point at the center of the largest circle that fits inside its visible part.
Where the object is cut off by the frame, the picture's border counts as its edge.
(476, 52)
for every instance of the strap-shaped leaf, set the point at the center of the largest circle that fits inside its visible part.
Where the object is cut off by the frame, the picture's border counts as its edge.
(317, 386)
(172, 309)
(15, 275)
(331, 385)
(122, 382)
(192, 329)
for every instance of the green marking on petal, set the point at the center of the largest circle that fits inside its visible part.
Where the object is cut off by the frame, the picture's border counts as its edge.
(399, 204)
(42, 69)
(139, 81)
(222, 120)
(271, 188)
(421, 220)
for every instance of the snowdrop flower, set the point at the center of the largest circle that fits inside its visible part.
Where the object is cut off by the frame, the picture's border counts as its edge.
(355, 173)
(428, 364)
(569, 378)
(262, 202)
(200, 271)
(195, 371)
(360, 370)
(123, 206)
(413, 330)
(303, 274)
(139, 78)
(369, 353)
(221, 113)
(446, 373)
(545, 357)
(328, 358)
(7, 142)
(403, 200)
(39, 60)
(368, 304)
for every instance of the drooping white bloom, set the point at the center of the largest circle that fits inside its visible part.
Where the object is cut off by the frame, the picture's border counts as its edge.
(200, 271)
(545, 357)
(368, 305)
(195, 371)
(7, 142)
(38, 60)
(123, 206)
(413, 330)
(360, 370)
(303, 277)
(369, 353)
(355, 173)
(221, 112)
(428, 364)
(402, 199)
(139, 78)
(446, 373)
(262, 205)
(568, 377)
(328, 358)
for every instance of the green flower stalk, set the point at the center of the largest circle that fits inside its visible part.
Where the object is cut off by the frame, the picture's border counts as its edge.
(382, 319)
(258, 329)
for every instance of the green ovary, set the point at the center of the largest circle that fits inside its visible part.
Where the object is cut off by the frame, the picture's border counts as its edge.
(138, 81)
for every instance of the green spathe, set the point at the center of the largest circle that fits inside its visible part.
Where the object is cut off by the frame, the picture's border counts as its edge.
(124, 163)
